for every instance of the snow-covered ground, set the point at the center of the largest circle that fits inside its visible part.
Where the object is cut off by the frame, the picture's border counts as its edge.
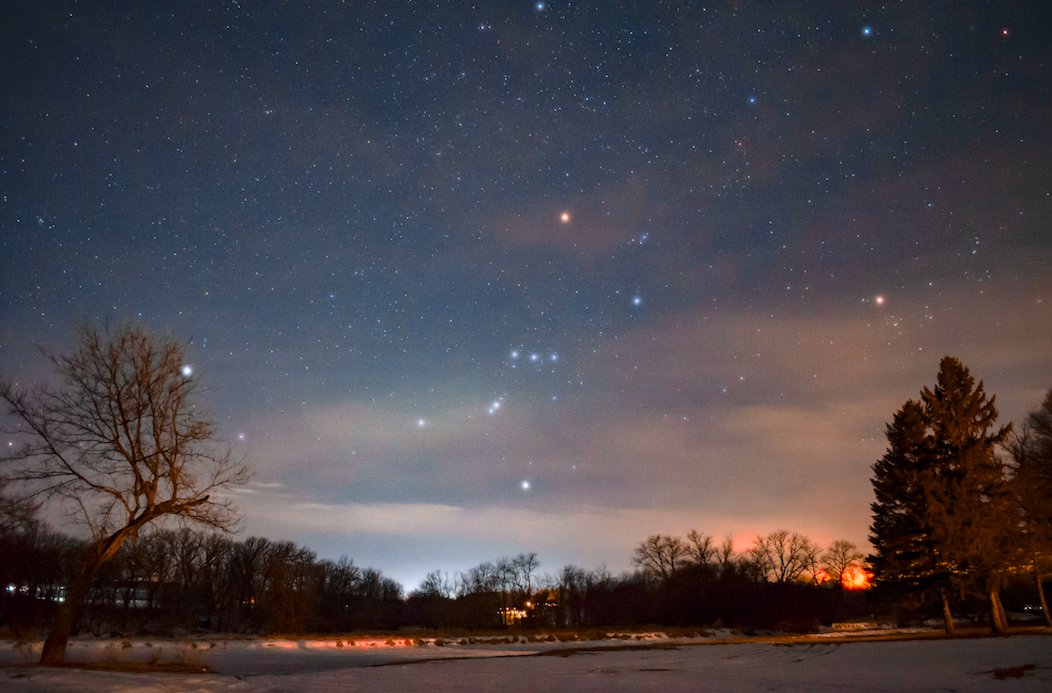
(1018, 663)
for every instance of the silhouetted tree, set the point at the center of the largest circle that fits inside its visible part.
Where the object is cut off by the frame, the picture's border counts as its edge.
(941, 518)
(120, 443)
(1031, 488)
(243, 584)
(659, 555)
(339, 581)
(725, 558)
(841, 557)
(967, 492)
(436, 584)
(291, 587)
(907, 561)
(573, 582)
(782, 556)
(525, 564)
(380, 601)
(700, 547)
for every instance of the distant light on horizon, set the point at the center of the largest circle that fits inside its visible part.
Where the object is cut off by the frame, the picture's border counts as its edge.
(856, 578)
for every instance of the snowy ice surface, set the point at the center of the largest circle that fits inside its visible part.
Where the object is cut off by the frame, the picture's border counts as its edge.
(1018, 663)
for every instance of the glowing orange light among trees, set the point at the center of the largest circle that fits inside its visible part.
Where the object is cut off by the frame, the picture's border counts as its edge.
(856, 578)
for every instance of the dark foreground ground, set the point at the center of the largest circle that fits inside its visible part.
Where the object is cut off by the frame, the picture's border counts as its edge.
(874, 661)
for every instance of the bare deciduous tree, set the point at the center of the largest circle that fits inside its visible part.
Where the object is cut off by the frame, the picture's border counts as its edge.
(725, 557)
(437, 585)
(701, 547)
(659, 555)
(783, 557)
(485, 577)
(119, 443)
(841, 557)
(525, 564)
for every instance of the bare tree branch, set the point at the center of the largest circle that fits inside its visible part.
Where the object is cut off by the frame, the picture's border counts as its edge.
(120, 443)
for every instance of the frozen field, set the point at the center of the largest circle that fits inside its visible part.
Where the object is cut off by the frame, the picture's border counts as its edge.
(1018, 663)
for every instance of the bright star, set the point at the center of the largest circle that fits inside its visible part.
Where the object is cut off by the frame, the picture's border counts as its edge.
(564, 217)
(187, 371)
(879, 300)
(525, 486)
(867, 30)
(637, 301)
(420, 423)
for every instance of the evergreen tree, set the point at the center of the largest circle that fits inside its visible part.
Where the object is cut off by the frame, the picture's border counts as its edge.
(967, 494)
(907, 560)
(942, 519)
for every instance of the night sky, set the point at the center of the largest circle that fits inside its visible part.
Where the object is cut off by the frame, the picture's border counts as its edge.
(467, 280)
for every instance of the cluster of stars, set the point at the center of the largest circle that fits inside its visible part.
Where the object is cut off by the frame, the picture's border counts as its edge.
(536, 358)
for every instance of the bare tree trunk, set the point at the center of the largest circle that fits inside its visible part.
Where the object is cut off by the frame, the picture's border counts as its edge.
(65, 620)
(998, 622)
(1041, 596)
(54, 651)
(947, 617)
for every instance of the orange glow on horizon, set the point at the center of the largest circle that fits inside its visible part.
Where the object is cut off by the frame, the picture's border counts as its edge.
(856, 578)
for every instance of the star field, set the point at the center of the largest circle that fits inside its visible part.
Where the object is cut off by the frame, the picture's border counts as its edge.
(538, 276)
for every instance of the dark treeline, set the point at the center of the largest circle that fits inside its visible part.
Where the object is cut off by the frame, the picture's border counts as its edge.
(183, 581)
(171, 581)
(678, 583)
